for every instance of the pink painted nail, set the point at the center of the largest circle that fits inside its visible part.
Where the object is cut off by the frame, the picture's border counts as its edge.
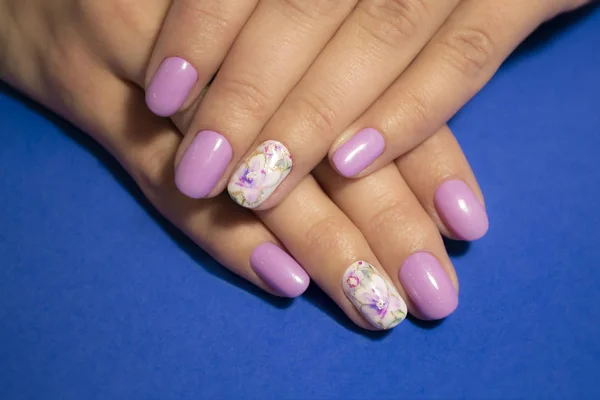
(170, 87)
(358, 152)
(279, 270)
(428, 286)
(203, 164)
(461, 210)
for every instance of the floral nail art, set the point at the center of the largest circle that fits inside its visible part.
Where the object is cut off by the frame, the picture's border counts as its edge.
(261, 173)
(373, 295)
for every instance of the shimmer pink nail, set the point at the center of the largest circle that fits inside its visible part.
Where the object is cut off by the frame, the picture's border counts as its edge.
(279, 270)
(461, 210)
(170, 86)
(358, 152)
(428, 286)
(203, 164)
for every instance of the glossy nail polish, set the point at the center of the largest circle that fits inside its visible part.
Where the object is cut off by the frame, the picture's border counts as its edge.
(279, 270)
(203, 164)
(358, 152)
(260, 174)
(373, 295)
(170, 87)
(428, 286)
(461, 210)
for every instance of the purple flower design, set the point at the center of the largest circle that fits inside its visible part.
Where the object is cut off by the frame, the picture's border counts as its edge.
(254, 178)
(377, 298)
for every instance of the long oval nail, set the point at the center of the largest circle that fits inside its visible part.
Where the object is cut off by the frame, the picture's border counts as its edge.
(428, 286)
(260, 174)
(279, 270)
(203, 164)
(170, 87)
(358, 152)
(373, 295)
(461, 210)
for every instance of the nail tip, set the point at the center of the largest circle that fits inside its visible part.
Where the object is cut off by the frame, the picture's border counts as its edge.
(183, 189)
(155, 107)
(292, 294)
(441, 313)
(473, 234)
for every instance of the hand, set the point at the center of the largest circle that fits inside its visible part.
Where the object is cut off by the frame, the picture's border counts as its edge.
(376, 256)
(372, 77)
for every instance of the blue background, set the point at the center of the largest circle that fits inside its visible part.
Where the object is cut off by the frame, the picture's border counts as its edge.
(101, 299)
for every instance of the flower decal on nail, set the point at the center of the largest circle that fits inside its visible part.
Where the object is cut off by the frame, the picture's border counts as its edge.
(373, 295)
(260, 174)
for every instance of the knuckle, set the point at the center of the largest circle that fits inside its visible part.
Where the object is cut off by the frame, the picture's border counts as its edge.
(318, 115)
(393, 219)
(327, 235)
(314, 8)
(414, 110)
(207, 13)
(126, 14)
(469, 50)
(389, 214)
(245, 97)
(392, 21)
(152, 170)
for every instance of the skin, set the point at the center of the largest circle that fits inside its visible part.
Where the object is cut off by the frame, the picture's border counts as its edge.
(87, 60)
(403, 67)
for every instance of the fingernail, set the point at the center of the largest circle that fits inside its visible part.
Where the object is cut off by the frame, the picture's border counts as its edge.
(170, 86)
(203, 164)
(461, 210)
(428, 286)
(260, 174)
(279, 270)
(373, 295)
(358, 152)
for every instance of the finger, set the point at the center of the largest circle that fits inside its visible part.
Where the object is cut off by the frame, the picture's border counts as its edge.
(440, 177)
(334, 252)
(377, 41)
(116, 116)
(118, 33)
(402, 235)
(193, 41)
(268, 58)
(456, 63)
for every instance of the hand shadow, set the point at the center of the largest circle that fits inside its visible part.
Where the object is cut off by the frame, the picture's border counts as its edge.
(122, 177)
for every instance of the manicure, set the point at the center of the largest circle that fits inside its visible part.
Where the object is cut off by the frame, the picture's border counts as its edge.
(170, 86)
(203, 164)
(260, 174)
(279, 270)
(358, 152)
(461, 210)
(373, 295)
(428, 286)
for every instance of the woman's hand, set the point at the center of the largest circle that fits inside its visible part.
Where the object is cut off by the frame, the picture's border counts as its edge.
(373, 245)
(365, 80)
